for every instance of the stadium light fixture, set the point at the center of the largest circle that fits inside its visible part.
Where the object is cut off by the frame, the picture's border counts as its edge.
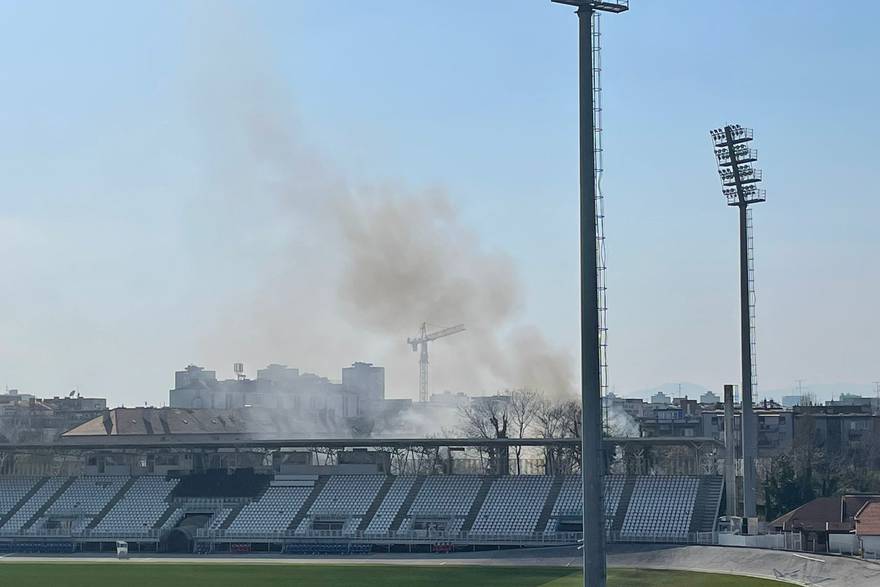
(740, 186)
(618, 6)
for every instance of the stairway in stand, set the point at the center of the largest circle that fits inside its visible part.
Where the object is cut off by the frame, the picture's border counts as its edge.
(479, 500)
(407, 503)
(377, 502)
(544, 518)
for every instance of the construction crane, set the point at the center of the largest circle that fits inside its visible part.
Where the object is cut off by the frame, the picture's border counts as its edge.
(420, 343)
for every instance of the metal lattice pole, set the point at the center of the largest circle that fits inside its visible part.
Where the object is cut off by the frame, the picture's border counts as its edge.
(601, 266)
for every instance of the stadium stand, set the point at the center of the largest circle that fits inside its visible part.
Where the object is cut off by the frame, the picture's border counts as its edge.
(139, 509)
(81, 501)
(273, 511)
(218, 518)
(613, 492)
(13, 490)
(568, 504)
(550, 503)
(218, 484)
(33, 505)
(295, 509)
(660, 506)
(173, 519)
(707, 504)
(513, 505)
(345, 497)
(390, 506)
(443, 498)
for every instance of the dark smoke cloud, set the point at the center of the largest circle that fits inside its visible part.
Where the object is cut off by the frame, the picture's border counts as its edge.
(355, 267)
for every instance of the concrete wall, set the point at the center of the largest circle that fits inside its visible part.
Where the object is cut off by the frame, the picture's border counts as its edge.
(774, 541)
(843, 543)
(871, 545)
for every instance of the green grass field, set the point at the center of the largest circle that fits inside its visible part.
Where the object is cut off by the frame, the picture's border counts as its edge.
(129, 574)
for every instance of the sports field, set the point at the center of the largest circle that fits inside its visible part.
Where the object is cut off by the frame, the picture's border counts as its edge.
(242, 575)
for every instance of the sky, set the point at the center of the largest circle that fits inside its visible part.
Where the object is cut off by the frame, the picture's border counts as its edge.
(173, 174)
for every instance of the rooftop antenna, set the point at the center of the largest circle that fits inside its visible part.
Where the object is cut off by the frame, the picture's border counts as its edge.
(740, 185)
(804, 400)
(592, 303)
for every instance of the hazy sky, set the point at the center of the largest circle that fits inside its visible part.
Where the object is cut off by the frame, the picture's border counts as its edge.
(137, 236)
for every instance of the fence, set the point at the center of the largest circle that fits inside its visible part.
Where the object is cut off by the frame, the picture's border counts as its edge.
(85, 534)
(843, 544)
(783, 541)
(697, 538)
(429, 535)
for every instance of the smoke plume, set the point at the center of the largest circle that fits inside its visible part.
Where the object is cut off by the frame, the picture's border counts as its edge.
(353, 267)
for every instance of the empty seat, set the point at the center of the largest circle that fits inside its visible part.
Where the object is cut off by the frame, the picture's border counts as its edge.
(138, 511)
(390, 505)
(660, 508)
(12, 490)
(344, 496)
(570, 500)
(33, 505)
(513, 505)
(81, 501)
(448, 496)
(270, 513)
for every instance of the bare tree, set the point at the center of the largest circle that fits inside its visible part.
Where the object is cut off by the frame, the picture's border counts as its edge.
(559, 420)
(488, 417)
(524, 407)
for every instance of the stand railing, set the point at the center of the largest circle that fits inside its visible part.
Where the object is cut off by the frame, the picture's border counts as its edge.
(781, 541)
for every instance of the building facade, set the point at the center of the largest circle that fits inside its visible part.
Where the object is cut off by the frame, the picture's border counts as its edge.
(28, 419)
(279, 387)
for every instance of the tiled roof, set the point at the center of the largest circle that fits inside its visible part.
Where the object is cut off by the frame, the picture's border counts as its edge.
(174, 421)
(868, 519)
(825, 514)
(813, 515)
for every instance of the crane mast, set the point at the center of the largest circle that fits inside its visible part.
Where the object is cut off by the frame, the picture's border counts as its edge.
(420, 343)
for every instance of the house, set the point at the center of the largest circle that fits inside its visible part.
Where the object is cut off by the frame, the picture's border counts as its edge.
(826, 524)
(867, 522)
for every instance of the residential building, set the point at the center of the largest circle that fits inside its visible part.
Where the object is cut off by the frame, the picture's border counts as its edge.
(284, 388)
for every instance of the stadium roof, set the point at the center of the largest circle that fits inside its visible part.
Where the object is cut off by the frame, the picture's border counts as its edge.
(255, 422)
(262, 428)
(202, 441)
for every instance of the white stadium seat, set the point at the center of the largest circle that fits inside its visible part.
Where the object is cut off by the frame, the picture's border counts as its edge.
(513, 505)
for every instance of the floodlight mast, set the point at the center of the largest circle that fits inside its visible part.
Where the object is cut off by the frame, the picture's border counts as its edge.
(592, 461)
(739, 180)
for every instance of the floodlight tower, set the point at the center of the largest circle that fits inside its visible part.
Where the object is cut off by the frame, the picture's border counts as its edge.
(592, 336)
(740, 181)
